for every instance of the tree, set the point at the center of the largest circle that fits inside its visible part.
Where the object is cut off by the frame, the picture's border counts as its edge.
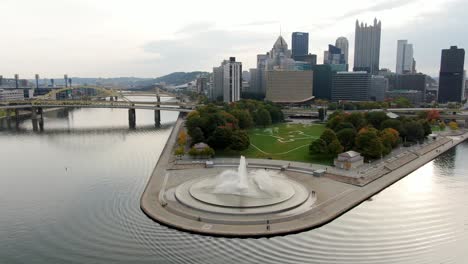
(182, 138)
(179, 151)
(392, 123)
(369, 144)
(453, 125)
(328, 136)
(221, 138)
(433, 115)
(413, 131)
(442, 125)
(318, 146)
(346, 137)
(427, 127)
(390, 136)
(196, 134)
(262, 117)
(332, 106)
(335, 148)
(402, 102)
(344, 125)
(376, 118)
(357, 119)
(244, 118)
(240, 140)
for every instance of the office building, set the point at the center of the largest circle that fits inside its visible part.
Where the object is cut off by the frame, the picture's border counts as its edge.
(379, 85)
(404, 61)
(343, 45)
(217, 87)
(351, 86)
(418, 82)
(333, 56)
(323, 74)
(232, 80)
(367, 47)
(309, 58)
(289, 86)
(279, 58)
(452, 75)
(300, 44)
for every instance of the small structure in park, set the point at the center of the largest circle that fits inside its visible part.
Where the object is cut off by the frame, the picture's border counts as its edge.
(200, 146)
(349, 160)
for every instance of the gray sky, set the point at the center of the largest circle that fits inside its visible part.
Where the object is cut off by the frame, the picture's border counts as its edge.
(149, 38)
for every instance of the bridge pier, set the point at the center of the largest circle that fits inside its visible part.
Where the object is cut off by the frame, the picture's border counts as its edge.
(37, 122)
(157, 112)
(131, 117)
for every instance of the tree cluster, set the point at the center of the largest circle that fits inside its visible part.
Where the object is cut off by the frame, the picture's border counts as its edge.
(373, 134)
(223, 126)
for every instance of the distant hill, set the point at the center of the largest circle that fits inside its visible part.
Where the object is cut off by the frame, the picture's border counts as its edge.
(178, 78)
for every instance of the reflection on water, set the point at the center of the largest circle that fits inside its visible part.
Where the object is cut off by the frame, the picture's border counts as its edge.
(70, 194)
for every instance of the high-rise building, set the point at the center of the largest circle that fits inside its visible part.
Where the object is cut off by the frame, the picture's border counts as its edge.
(232, 80)
(367, 47)
(343, 45)
(351, 86)
(289, 86)
(300, 44)
(333, 56)
(404, 60)
(452, 75)
(323, 74)
(216, 93)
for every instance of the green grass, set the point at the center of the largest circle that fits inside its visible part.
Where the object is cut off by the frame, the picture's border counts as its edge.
(283, 141)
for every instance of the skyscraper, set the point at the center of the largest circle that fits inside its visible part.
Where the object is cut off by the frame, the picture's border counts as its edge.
(343, 45)
(232, 80)
(300, 44)
(405, 60)
(367, 47)
(333, 56)
(452, 75)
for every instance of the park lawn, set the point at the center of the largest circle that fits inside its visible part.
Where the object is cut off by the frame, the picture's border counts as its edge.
(285, 141)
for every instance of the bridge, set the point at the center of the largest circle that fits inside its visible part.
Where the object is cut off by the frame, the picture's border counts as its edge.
(37, 105)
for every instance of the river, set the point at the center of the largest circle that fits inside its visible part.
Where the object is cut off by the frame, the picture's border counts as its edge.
(70, 194)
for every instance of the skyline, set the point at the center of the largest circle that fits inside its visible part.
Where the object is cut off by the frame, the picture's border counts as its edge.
(92, 40)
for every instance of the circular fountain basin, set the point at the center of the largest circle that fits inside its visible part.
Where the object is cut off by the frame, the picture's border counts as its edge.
(193, 194)
(200, 192)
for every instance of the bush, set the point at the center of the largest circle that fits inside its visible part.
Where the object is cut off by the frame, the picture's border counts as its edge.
(206, 152)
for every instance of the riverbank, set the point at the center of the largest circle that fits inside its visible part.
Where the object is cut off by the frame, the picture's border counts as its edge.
(334, 196)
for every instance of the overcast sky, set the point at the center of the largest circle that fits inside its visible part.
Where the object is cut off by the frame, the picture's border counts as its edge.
(150, 38)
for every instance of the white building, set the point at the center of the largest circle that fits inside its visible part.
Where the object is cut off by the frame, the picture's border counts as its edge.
(349, 160)
(405, 60)
(232, 80)
(343, 45)
(11, 94)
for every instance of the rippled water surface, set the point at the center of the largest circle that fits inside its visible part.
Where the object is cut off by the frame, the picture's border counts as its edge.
(71, 195)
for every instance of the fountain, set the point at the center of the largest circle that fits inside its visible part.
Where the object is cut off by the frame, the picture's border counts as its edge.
(242, 192)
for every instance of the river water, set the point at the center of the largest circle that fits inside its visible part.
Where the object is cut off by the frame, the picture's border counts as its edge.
(70, 194)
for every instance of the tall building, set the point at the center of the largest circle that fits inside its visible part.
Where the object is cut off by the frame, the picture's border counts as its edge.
(367, 47)
(452, 75)
(289, 86)
(404, 61)
(217, 87)
(232, 80)
(333, 56)
(300, 44)
(351, 86)
(343, 45)
(280, 56)
(323, 74)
